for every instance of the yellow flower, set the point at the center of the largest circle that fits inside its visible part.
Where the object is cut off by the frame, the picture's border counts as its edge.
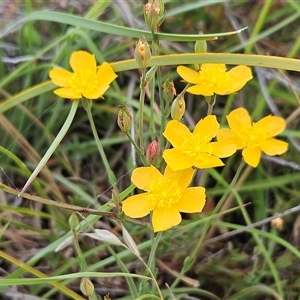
(214, 79)
(166, 195)
(195, 149)
(253, 138)
(86, 81)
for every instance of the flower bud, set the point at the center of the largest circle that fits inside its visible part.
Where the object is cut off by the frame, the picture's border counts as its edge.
(142, 53)
(73, 221)
(154, 13)
(200, 47)
(124, 118)
(277, 223)
(152, 153)
(178, 108)
(169, 90)
(86, 287)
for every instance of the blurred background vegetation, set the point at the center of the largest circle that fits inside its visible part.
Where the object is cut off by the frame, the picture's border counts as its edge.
(232, 268)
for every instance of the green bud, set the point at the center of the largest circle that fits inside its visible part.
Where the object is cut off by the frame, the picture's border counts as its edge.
(115, 198)
(124, 118)
(73, 221)
(86, 287)
(142, 53)
(169, 90)
(152, 14)
(178, 108)
(200, 47)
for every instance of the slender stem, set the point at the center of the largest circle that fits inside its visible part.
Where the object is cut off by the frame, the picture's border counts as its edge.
(111, 176)
(211, 102)
(151, 261)
(82, 262)
(141, 110)
(261, 246)
(137, 149)
(153, 277)
(196, 250)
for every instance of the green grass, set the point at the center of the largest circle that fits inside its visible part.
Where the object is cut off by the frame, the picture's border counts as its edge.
(200, 258)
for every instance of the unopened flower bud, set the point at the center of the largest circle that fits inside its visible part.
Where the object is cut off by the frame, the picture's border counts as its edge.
(142, 53)
(178, 108)
(169, 90)
(152, 153)
(277, 223)
(73, 221)
(115, 198)
(86, 287)
(124, 118)
(154, 13)
(200, 47)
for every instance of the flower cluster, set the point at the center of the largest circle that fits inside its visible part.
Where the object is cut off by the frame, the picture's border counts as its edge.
(167, 195)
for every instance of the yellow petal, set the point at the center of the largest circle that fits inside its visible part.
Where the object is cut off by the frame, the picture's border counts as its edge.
(164, 219)
(208, 126)
(223, 148)
(137, 206)
(271, 125)
(142, 177)
(207, 161)
(106, 74)
(239, 118)
(201, 89)
(252, 156)
(177, 160)
(183, 177)
(175, 133)
(60, 77)
(188, 75)
(97, 93)
(193, 200)
(274, 147)
(67, 93)
(213, 68)
(82, 60)
(239, 75)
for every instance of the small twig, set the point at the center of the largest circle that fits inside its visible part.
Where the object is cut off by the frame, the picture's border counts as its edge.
(254, 225)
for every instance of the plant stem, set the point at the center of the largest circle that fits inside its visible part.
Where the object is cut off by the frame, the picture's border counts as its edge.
(137, 149)
(196, 250)
(111, 176)
(141, 110)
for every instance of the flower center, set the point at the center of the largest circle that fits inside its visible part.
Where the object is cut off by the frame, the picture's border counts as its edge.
(196, 145)
(84, 81)
(164, 193)
(253, 136)
(214, 76)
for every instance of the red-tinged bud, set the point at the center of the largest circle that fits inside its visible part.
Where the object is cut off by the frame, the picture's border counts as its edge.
(142, 53)
(124, 118)
(152, 153)
(169, 90)
(86, 287)
(178, 108)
